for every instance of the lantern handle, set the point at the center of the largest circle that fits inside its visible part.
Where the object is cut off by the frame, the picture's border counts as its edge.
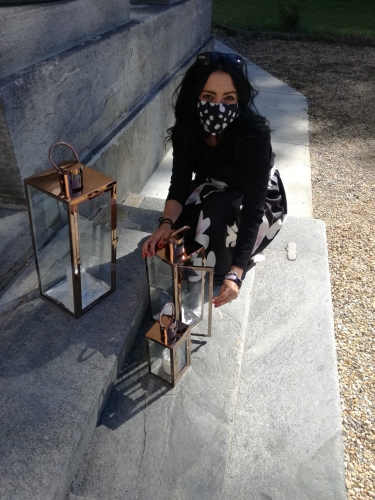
(184, 228)
(60, 144)
(168, 331)
(163, 314)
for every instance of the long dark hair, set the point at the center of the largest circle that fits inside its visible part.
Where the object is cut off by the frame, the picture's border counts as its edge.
(187, 129)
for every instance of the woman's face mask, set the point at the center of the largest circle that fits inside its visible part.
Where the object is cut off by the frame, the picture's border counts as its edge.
(215, 117)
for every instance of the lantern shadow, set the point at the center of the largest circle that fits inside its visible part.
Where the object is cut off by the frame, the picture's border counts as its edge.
(198, 343)
(135, 388)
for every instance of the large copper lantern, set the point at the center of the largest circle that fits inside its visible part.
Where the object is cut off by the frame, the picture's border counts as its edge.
(72, 211)
(176, 273)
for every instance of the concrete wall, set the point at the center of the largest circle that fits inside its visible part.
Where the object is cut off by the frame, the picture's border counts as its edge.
(86, 94)
(31, 33)
(134, 152)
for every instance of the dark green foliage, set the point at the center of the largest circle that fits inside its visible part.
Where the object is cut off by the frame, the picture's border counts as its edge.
(290, 15)
(325, 17)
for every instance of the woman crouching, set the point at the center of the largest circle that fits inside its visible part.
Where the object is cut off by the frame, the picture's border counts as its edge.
(224, 184)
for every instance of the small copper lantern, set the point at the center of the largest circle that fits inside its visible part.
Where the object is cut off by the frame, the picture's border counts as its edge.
(176, 273)
(72, 210)
(169, 348)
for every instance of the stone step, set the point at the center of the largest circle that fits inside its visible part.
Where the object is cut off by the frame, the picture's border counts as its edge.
(57, 373)
(286, 436)
(257, 415)
(63, 25)
(155, 442)
(141, 212)
(15, 242)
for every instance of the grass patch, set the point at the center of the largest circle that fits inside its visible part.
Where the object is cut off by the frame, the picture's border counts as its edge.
(332, 17)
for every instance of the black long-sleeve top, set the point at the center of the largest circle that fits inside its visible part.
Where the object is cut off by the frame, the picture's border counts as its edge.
(241, 166)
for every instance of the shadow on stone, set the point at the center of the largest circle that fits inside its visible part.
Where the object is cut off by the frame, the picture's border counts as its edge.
(199, 344)
(135, 388)
(36, 333)
(139, 218)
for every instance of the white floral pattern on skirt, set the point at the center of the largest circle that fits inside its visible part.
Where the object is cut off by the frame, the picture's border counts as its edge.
(214, 220)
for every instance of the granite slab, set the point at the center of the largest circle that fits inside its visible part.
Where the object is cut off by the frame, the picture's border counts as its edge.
(57, 373)
(286, 436)
(257, 416)
(154, 442)
(15, 243)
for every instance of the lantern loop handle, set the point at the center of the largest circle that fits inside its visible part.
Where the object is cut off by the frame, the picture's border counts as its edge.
(60, 144)
(184, 228)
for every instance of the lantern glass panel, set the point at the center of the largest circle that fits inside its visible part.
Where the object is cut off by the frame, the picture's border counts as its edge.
(203, 327)
(191, 283)
(51, 235)
(160, 360)
(95, 237)
(160, 276)
(182, 356)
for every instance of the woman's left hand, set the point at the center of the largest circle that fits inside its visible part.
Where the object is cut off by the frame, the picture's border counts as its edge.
(228, 292)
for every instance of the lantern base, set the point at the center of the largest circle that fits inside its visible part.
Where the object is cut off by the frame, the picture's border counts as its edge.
(62, 292)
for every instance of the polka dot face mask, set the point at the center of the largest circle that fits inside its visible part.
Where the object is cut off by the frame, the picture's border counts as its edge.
(215, 117)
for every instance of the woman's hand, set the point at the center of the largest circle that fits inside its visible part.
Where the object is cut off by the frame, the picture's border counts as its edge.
(156, 240)
(172, 210)
(228, 292)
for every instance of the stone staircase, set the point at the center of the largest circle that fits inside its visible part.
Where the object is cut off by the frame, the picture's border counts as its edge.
(257, 416)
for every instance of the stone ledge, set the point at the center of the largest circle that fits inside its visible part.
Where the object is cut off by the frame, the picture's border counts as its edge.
(59, 26)
(154, 442)
(145, 217)
(15, 243)
(57, 373)
(286, 437)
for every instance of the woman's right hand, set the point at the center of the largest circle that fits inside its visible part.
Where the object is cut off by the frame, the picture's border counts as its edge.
(155, 240)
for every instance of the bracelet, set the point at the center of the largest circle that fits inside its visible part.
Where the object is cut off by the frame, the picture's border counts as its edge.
(165, 221)
(235, 278)
(232, 273)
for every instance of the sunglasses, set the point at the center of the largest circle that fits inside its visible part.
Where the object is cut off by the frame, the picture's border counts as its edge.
(207, 58)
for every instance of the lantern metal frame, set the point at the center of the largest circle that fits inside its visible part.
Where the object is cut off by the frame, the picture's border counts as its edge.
(195, 248)
(155, 335)
(95, 184)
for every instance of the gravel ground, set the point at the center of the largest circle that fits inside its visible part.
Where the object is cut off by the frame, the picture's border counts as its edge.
(339, 82)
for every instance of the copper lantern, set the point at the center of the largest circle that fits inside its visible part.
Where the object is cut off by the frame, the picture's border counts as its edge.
(169, 349)
(176, 273)
(72, 211)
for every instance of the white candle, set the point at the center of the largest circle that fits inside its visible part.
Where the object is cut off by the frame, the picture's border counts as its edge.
(167, 361)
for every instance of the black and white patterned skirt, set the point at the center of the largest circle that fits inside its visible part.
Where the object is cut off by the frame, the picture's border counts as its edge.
(213, 212)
